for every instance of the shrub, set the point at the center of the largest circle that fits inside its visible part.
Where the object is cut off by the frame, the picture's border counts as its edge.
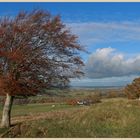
(95, 98)
(112, 94)
(72, 102)
(133, 90)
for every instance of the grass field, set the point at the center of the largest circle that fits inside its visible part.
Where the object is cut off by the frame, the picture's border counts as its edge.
(115, 117)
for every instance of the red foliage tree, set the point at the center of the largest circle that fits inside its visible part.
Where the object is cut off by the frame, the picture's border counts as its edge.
(133, 90)
(36, 51)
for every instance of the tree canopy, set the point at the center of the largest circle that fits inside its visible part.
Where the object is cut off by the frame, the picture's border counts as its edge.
(133, 90)
(36, 51)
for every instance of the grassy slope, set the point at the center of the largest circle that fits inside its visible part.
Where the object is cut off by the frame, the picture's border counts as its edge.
(111, 118)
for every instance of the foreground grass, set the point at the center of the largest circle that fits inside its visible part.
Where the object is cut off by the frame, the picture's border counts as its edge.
(111, 118)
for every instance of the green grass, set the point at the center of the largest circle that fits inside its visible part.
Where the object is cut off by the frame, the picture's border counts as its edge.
(112, 118)
(27, 109)
(109, 119)
(37, 108)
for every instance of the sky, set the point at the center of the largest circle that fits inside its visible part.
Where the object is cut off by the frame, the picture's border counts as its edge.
(109, 31)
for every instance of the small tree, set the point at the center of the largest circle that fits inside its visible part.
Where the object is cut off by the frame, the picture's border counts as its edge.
(36, 51)
(133, 90)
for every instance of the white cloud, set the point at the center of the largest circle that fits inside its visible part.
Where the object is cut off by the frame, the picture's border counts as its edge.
(107, 62)
(94, 32)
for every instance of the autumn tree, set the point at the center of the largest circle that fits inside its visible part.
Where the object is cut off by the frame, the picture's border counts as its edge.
(133, 90)
(36, 51)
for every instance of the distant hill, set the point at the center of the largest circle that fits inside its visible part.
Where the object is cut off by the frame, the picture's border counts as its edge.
(96, 87)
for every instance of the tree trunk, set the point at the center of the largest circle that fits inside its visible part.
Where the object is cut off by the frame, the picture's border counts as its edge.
(6, 116)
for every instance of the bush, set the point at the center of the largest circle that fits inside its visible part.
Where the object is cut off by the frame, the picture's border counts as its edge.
(133, 90)
(72, 102)
(95, 98)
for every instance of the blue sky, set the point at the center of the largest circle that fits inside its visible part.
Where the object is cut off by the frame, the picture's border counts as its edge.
(87, 12)
(109, 31)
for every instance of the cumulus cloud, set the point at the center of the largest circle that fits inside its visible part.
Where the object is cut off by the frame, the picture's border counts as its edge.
(107, 62)
(99, 32)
